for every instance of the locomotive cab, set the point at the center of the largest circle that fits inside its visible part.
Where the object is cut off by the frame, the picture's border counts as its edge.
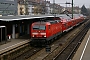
(39, 32)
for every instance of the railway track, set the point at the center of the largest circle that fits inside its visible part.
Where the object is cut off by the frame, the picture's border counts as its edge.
(68, 52)
(12, 51)
(55, 47)
(20, 51)
(27, 54)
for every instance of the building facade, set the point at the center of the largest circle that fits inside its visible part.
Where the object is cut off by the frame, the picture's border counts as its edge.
(31, 7)
(21, 7)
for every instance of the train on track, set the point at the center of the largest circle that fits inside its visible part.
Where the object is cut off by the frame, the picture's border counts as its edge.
(44, 32)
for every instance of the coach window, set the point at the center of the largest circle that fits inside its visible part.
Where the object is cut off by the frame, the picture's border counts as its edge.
(49, 27)
(72, 21)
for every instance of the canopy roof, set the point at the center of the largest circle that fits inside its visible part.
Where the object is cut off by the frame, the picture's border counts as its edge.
(13, 18)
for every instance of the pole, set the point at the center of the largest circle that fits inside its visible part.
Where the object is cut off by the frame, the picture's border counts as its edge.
(1, 34)
(54, 13)
(53, 6)
(5, 34)
(72, 9)
(66, 5)
(45, 7)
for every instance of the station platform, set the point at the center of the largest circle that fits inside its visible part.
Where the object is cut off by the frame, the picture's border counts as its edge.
(13, 42)
(83, 52)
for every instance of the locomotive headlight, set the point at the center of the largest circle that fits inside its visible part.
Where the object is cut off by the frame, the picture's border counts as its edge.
(33, 36)
(45, 36)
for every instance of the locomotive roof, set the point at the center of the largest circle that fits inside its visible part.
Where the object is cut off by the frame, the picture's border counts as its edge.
(47, 22)
(39, 22)
(64, 21)
(54, 21)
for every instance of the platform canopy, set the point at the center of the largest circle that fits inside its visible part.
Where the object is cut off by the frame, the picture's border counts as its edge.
(21, 17)
(2, 26)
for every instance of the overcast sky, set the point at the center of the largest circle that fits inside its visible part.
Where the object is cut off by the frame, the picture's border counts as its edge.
(76, 2)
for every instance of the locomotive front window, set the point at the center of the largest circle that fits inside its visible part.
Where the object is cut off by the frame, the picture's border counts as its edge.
(35, 27)
(39, 27)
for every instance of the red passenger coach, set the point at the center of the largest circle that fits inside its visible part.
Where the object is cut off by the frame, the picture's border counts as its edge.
(64, 25)
(44, 32)
(78, 19)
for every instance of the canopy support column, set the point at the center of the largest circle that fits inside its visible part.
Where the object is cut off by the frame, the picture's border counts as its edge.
(13, 32)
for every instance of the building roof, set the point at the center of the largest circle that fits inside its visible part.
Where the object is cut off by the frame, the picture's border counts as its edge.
(8, 7)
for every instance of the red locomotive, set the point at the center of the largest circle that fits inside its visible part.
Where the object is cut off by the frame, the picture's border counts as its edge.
(43, 32)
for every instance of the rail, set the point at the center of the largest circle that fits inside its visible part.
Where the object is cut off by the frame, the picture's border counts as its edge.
(8, 51)
(70, 49)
